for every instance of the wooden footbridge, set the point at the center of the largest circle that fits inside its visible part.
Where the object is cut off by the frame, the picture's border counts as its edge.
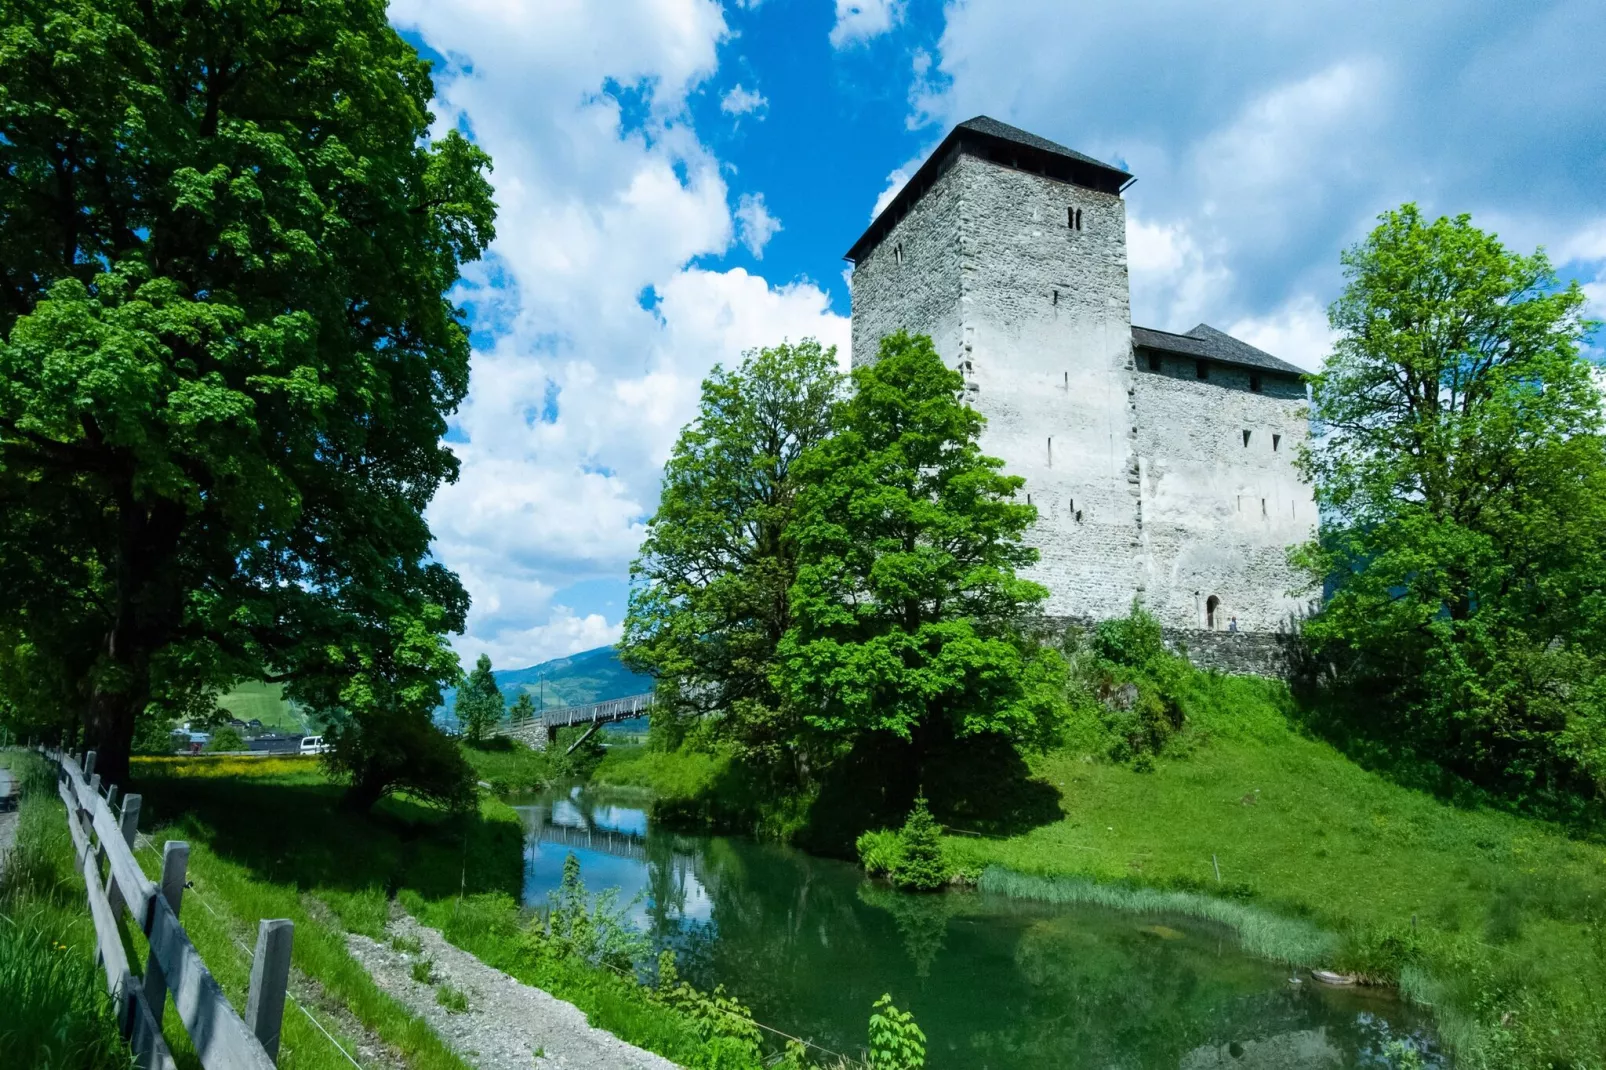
(542, 730)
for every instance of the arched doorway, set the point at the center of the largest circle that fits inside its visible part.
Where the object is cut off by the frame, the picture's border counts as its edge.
(1212, 605)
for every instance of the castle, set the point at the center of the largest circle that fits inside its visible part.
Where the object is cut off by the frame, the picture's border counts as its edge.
(1161, 464)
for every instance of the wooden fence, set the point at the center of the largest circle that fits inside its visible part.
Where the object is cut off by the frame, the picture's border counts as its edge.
(102, 832)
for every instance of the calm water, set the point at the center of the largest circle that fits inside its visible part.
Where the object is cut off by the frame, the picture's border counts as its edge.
(996, 983)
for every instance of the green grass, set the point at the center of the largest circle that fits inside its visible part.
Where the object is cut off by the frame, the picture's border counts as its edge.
(669, 775)
(265, 703)
(509, 766)
(54, 1012)
(1491, 917)
(268, 840)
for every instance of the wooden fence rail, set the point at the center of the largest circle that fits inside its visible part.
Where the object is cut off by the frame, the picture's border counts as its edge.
(220, 1036)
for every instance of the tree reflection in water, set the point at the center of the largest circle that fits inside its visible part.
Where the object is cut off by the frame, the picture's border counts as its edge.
(995, 983)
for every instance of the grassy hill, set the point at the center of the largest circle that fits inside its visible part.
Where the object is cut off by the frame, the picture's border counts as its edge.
(590, 676)
(263, 702)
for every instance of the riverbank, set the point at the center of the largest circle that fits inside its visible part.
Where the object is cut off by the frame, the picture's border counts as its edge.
(1493, 919)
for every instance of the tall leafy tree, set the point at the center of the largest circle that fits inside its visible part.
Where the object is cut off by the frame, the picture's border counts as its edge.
(1462, 477)
(711, 599)
(907, 609)
(480, 705)
(225, 239)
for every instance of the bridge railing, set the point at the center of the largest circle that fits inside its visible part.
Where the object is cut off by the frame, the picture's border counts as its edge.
(614, 709)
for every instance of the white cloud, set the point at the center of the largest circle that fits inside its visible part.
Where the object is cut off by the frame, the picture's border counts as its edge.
(1297, 332)
(861, 20)
(740, 101)
(603, 331)
(898, 179)
(1261, 170)
(754, 223)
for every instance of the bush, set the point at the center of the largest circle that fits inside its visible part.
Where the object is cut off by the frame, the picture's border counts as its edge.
(595, 929)
(896, 1042)
(920, 865)
(226, 738)
(880, 851)
(380, 753)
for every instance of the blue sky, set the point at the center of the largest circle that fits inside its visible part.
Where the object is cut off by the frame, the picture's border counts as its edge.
(678, 180)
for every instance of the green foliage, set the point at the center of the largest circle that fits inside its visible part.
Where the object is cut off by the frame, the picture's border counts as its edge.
(896, 1042)
(523, 709)
(710, 595)
(1122, 671)
(480, 706)
(54, 1012)
(907, 604)
(423, 971)
(880, 851)
(454, 999)
(919, 865)
(227, 360)
(511, 767)
(1462, 478)
(595, 929)
(226, 738)
(722, 1022)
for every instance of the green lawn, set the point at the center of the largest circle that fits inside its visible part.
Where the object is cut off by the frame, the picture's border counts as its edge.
(1493, 918)
(266, 703)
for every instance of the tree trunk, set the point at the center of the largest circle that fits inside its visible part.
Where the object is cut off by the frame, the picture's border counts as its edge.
(109, 731)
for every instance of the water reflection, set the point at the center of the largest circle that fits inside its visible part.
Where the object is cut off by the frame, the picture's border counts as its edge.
(994, 982)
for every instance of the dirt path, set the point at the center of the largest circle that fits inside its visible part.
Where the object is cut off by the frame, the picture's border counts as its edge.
(508, 1024)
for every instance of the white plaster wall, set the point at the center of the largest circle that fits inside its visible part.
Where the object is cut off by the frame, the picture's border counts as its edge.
(1147, 490)
(1047, 330)
(1218, 516)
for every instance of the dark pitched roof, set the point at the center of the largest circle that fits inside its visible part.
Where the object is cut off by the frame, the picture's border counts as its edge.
(1206, 342)
(983, 124)
(1011, 146)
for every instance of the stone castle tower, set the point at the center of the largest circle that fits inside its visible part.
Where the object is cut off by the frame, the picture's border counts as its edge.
(1160, 464)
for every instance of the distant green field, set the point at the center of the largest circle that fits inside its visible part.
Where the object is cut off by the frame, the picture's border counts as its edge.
(265, 703)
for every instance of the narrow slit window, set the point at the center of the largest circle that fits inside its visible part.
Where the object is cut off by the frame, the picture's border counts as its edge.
(1028, 497)
(1078, 219)
(1201, 369)
(1246, 439)
(1067, 380)
(1254, 382)
(1051, 451)
(1056, 297)
(1263, 507)
(1070, 218)
(1276, 440)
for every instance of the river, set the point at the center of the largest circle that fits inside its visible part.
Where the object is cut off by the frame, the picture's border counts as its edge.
(995, 983)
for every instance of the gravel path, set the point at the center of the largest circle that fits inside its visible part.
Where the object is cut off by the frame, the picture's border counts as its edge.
(508, 1025)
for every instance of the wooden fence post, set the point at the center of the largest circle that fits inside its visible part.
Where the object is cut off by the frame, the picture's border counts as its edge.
(270, 976)
(111, 795)
(128, 824)
(175, 860)
(89, 764)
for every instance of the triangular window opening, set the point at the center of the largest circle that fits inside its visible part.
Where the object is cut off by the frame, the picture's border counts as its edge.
(1246, 439)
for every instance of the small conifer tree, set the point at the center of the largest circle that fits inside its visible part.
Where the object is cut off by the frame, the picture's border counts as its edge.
(920, 866)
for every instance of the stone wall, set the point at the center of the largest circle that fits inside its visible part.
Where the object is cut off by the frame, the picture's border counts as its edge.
(1221, 500)
(1144, 484)
(1275, 654)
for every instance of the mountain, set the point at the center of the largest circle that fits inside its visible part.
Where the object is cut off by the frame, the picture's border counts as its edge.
(589, 676)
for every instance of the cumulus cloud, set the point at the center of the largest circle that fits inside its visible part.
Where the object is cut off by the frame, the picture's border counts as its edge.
(1254, 174)
(600, 331)
(858, 21)
(740, 101)
(754, 223)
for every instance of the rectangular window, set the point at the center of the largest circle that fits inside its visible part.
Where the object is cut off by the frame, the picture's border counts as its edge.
(1254, 382)
(1201, 369)
(1154, 362)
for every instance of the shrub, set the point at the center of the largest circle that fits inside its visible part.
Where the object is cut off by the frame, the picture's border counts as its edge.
(592, 928)
(896, 1042)
(226, 738)
(920, 866)
(880, 851)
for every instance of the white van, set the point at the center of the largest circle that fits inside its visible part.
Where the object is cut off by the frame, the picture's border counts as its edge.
(313, 745)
